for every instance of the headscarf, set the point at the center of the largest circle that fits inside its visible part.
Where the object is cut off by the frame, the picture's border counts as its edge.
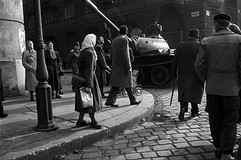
(89, 42)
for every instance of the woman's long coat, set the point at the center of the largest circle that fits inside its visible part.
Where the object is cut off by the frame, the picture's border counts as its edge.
(190, 87)
(87, 66)
(29, 61)
(121, 73)
(101, 65)
(53, 70)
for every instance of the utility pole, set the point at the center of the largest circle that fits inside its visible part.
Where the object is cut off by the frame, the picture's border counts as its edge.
(43, 89)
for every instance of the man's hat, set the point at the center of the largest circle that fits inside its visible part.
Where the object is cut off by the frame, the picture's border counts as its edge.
(222, 16)
(76, 44)
(194, 33)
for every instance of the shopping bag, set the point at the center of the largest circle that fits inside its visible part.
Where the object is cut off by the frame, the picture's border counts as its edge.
(87, 98)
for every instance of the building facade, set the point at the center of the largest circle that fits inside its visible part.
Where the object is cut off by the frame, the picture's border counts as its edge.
(68, 21)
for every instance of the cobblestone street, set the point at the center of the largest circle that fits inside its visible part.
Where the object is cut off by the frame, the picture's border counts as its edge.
(163, 137)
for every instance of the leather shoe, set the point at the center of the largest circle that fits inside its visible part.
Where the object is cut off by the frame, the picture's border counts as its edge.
(135, 102)
(3, 115)
(112, 105)
(82, 124)
(58, 96)
(95, 125)
(181, 114)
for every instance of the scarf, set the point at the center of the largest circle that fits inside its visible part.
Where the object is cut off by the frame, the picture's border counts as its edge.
(89, 42)
(52, 54)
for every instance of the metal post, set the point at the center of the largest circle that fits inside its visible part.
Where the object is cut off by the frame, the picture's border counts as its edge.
(43, 89)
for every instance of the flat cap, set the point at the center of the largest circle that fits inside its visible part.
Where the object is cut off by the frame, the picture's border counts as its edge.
(76, 44)
(222, 16)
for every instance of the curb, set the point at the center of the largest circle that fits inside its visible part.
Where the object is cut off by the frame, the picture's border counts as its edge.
(66, 145)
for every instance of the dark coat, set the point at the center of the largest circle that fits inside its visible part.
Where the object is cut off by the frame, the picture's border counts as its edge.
(53, 70)
(190, 86)
(101, 65)
(72, 61)
(2, 97)
(87, 66)
(121, 73)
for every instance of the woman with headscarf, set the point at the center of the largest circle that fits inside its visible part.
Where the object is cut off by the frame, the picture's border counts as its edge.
(52, 61)
(29, 61)
(87, 65)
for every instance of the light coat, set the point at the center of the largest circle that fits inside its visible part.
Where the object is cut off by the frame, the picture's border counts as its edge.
(29, 61)
(121, 73)
(219, 63)
(190, 86)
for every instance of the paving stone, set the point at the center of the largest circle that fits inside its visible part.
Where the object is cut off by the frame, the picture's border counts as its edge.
(168, 139)
(149, 154)
(133, 156)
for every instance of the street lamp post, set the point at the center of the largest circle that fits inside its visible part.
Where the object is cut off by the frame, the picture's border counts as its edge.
(43, 89)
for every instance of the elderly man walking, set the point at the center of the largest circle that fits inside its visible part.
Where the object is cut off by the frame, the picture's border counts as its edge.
(190, 86)
(219, 64)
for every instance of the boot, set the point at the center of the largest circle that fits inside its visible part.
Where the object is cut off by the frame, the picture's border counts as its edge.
(194, 110)
(31, 96)
(95, 125)
(2, 114)
(181, 114)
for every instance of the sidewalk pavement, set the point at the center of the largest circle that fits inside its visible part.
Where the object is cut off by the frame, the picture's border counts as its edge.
(19, 140)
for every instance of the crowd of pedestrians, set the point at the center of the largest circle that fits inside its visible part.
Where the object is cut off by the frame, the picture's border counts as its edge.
(213, 62)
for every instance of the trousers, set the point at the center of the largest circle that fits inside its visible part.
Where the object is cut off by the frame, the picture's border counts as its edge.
(223, 115)
(113, 95)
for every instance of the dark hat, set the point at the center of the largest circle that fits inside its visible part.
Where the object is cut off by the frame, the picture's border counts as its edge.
(76, 44)
(222, 16)
(156, 20)
(194, 33)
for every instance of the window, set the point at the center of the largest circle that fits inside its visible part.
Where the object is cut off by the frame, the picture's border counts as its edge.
(31, 21)
(68, 11)
(47, 16)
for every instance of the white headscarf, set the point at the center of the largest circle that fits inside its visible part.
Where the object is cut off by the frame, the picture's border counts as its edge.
(89, 42)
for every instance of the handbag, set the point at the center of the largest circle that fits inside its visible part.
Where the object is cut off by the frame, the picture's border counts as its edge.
(77, 81)
(87, 98)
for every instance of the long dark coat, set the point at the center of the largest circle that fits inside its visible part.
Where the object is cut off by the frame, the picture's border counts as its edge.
(53, 70)
(190, 87)
(121, 73)
(101, 65)
(2, 97)
(87, 66)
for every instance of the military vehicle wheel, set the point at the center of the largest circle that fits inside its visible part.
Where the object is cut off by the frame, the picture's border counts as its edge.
(160, 76)
(141, 76)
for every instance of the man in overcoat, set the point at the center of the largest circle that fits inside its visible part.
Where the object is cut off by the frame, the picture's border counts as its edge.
(121, 74)
(219, 64)
(190, 86)
(73, 58)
